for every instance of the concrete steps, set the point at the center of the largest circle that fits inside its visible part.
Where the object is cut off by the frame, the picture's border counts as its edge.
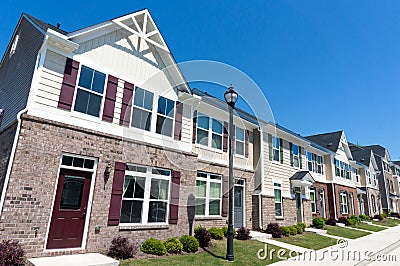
(89, 259)
(259, 236)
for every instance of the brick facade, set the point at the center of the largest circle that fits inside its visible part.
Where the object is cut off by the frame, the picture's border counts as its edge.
(319, 187)
(369, 210)
(351, 190)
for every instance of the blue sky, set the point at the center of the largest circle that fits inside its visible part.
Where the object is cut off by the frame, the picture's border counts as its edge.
(323, 65)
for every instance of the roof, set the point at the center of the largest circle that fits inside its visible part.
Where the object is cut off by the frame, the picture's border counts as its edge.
(377, 149)
(363, 156)
(327, 140)
(301, 175)
(396, 162)
(44, 25)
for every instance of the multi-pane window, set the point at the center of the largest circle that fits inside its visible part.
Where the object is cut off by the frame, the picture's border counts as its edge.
(344, 207)
(356, 174)
(145, 195)
(209, 132)
(342, 169)
(165, 116)
(89, 94)
(368, 175)
(208, 194)
(276, 145)
(375, 180)
(373, 203)
(295, 155)
(315, 163)
(348, 171)
(278, 199)
(239, 136)
(313, 201)
(142, 108)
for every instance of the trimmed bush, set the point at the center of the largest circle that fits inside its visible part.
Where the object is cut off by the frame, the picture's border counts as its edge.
(225, 230)
(303, 225)
(189, 243)
(353, 220)
(331, 222)
(318, 223)
(293, 230)
(173, 245)
(343, 220)
(363, 217)
(378, 216)
(203, 236)
(121, 248)
(216, 233)
(11, 253)
(384, 215)
(274, 230)
(285, 231)
(299, 228)
(243, 234)
(153, 246)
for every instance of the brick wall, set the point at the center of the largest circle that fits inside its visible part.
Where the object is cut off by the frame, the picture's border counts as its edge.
(339, 188)
(318, 187)
(6, 143)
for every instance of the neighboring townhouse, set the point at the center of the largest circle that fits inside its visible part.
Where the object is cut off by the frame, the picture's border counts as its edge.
(342, 187)
(370, 197)
(293, 179)
(396, 179)
(386, 179)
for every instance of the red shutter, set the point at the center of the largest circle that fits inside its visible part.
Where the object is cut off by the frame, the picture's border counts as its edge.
(225, 196)
(174, 204)
(194, 126)
(225, 140)
(178, 121)
(68, 84)
(246, 143)
(126, 107)
(116, 194)
(109, 102)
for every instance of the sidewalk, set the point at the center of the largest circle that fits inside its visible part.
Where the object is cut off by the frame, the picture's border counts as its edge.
(356, 252)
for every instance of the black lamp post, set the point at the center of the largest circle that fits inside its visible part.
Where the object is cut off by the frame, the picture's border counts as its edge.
(230, 98)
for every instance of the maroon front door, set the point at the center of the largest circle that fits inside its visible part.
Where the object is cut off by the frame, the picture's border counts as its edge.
(69, 211)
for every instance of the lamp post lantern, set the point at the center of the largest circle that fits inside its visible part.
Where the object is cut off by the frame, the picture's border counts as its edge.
(230, 98)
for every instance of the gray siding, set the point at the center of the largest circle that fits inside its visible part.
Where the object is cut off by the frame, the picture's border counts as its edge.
(16, 72)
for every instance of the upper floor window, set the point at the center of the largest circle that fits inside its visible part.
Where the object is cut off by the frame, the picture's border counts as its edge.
(356, 174)
(14, 45)
(342, 169)
(276, 147)
(375, 180)
(165, 116)
(208, 194)
(315, 163)
(142, 108)
(90, 91)
(294, 155)
(209, 132)
(239, 136)
(368, 175)
(1, 116)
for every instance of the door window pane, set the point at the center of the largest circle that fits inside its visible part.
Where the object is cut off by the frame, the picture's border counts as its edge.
(72, 193)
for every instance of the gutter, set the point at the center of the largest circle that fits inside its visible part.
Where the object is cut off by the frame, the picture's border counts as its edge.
(333, 190)
(261, 159)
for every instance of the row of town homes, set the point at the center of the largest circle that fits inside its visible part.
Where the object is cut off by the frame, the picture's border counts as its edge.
(101, 135)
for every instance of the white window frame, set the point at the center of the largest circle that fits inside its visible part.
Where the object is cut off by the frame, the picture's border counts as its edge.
(240, 141)
(142, 109)
(276, 140)
(356, 173)
(313, 202)
(166, 117)
(277, 185)
(344, 202)
(208, 181)
(14, 45)
(210, 132)
(102, 95)
(296, 156)
(147, 190)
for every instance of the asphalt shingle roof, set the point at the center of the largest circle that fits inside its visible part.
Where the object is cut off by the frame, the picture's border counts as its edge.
(327, 140)
(44, 25)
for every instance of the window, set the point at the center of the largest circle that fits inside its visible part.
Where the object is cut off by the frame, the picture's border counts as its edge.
(344, 207)
(368, 175)
(356, 174)
(142, 107)
(315, 163)
(145, 195)
(276, 145)
(208, 194)
(278, 199)
(295, 155)
(373, 203)
(14, 45)
(310, 161)
(165, 116)
(239, 136)
(209, 132)
(313, 201)
(342, 169)
(90, 90)
(348, 171)
(78, 162)
(1, 116)
(375, 180)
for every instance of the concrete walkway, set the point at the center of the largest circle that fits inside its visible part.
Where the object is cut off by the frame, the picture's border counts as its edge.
(89, 259)
(377, 245)
(286, 245)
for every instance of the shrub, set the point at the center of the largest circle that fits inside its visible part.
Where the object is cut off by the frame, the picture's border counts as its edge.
(299, 228)
(343, 220)
(225, 230)
(379, 217)
(11, 253)
(285, 231)
(243, 234)
(384, 215)
(331, 221)
(274, 230)
(293, 230)
(189, 243)
(363, 217)
(173, 245)
(318, 223)
(303, 226)
(216, 233)
(354, 220)
(153, 246)
(121, 248)
(203, 236)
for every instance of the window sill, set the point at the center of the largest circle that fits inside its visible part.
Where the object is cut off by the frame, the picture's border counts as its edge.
(143, 227)
(208, 148)
(279, 218)
(208, 218)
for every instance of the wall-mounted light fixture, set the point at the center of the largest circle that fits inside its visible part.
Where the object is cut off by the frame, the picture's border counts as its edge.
(107, 173)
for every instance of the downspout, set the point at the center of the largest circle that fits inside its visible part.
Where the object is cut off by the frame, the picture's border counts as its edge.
(261, 159)
(369, 207)
(333, 188)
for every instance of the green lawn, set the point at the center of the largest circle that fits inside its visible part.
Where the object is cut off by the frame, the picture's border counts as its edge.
(245, 254)
(345, 232)
(309, 240)
(387, 222)
(368, 227)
